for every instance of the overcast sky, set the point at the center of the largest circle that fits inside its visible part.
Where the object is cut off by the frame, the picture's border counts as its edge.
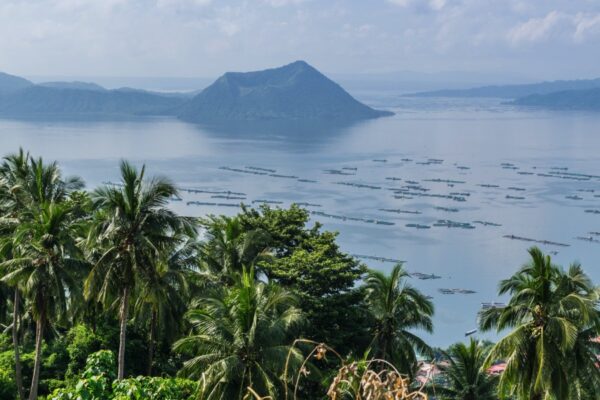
(202, 38)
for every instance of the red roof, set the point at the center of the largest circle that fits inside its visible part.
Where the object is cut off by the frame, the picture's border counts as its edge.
(497, 369)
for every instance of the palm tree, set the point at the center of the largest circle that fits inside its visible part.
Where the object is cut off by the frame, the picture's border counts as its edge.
(13, 177)
(47, 267)
(465, 374)
(229, 246)
(398, 307)
(31, 194)
(163, 297)
(132, 226)
(550, 312)
(241, 339)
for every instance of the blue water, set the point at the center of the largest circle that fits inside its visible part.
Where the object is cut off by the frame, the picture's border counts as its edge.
(478, 134)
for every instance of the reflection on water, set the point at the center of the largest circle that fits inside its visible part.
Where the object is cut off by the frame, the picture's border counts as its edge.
(375, 182)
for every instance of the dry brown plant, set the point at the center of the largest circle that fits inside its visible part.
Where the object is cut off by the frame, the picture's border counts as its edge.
(373, 379)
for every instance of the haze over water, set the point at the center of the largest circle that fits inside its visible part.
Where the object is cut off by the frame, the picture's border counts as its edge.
(477, 134)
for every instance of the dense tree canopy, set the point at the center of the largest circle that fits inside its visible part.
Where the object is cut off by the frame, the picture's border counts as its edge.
(109, 294)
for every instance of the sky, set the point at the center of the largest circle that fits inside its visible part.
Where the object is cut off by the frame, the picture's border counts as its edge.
(536, 39)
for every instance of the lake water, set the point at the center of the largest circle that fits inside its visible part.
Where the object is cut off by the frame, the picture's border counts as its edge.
(531, 156)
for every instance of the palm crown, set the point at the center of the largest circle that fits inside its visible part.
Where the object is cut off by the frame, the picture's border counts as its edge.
(548, 311)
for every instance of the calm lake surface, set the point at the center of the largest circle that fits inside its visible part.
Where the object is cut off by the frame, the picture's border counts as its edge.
(535, 158)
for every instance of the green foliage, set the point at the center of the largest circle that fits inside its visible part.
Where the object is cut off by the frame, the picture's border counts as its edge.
(81, 343)
(309, 262)
(286, 228)
(131, 230)
(229, 247)
(241, 338)
(97, 382)
(552, 316)
(133, 255)
(398, 308)
(465, 375)
(101, 363)
(8, 387)
(153, 388)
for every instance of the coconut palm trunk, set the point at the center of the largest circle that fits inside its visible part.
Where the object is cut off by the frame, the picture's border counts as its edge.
(123, 332)
(15, 338)
(151, 342)
(39, 336)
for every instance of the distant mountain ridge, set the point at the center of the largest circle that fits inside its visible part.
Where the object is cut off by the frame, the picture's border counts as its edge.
(587, 99)
(11, 83)
(73, 85)
(293, 91)
(38, 100)
(514, 91)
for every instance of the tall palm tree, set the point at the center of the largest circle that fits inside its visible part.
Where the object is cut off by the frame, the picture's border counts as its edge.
(29, 192)
(162, 298)
(133, 225)
(549, 313)
(397, 307)
(14, 172)
(466, 376)
(47, 267)
(241, 337)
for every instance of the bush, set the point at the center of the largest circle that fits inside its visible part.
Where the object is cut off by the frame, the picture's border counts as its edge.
(98, 383)
(81, 342)
(8, 388)
(144, 387)
(95, 383)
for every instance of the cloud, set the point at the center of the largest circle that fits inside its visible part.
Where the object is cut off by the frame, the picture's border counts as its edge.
(585, 26)
(556, 25)
(535, 29)
(282, 3)
(435, 5)
(207, 37)
(182, 3)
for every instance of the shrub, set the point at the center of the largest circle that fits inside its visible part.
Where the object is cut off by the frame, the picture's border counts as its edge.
(144, 387)
(8, 388)
(97, 382)
(81, 342)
